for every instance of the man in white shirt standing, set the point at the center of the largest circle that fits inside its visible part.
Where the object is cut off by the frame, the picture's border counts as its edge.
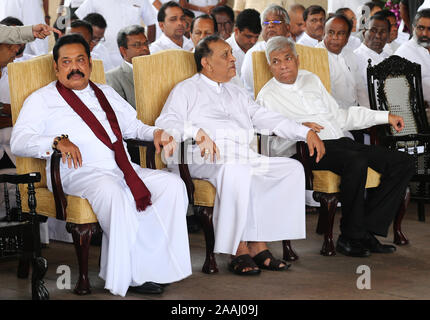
(245, 35)
(417, 49)
(275, 22)
(171, 19)
(353, 42)
(301, 96)
(375, 38)
(259, 199)
(119, 14)
(314, 17)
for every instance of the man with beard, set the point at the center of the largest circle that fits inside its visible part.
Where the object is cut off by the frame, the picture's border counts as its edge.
(141, 211)
(417, 49)
(314, 18)
(171, 19)
(275, 22)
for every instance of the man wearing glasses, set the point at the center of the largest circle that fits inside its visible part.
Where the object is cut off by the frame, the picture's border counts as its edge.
(224, 17)
(275, 22)
(132, 42)
(99, 51)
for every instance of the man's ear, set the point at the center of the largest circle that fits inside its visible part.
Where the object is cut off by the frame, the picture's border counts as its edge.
(205, 63)
(161, 24)
(56, 67)
(298, 61)
(122, 51)
(236, 31)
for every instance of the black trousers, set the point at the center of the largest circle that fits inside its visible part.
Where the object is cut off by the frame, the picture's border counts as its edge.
(375, 210)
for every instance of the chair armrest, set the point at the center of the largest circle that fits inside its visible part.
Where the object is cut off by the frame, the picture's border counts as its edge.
(184, 171)
(57, 187)
(303, 157)
(32, 177)
(150, 150)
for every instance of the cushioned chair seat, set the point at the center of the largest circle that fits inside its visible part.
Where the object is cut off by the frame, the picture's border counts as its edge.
(204, 193)
(329, 182)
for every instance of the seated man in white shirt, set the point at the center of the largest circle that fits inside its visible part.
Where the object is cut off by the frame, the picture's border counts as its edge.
(259, 199)
(344, 71)
(246, 32)
(171, 19)
(353, 41)
(201, 27)
(297, 24)
(314, 17)
(392, 45)
(417, 49)
(99, 51)
(224, 17)
(301, 96)
(275, 22)
(141, 211)
(375, 37)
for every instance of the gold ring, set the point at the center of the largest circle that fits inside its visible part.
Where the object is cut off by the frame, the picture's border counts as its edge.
(68, 155)
(206, 151)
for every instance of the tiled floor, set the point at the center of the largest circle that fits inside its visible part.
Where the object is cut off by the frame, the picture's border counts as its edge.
(402, 275)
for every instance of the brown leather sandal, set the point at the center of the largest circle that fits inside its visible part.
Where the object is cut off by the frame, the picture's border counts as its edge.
(274, 263)
(242, 262)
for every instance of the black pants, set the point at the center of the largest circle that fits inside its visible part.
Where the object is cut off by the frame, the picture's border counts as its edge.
(376, 211)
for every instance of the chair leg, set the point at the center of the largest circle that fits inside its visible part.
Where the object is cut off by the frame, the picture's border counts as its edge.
(328, 203)
(289, 253)
(204, 214)
(399, 237)
(421, 211)
(82, 234)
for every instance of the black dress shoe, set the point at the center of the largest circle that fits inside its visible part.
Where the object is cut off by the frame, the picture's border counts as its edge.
(370, 242)
(351, 247)
(148, 288)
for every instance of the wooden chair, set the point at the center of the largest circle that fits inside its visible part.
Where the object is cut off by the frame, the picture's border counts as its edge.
(395, 85)
(324, 183)
(25, 78)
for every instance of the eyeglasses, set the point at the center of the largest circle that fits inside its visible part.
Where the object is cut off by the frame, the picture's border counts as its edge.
(138, 45)
(273, 22)
(97, 40)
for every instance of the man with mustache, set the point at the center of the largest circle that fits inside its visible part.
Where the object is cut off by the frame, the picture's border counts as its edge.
(417, 49)
(375, 37)
(259, 199)
(171, 19)
(314, 17)
(275, 22)
(141, 211)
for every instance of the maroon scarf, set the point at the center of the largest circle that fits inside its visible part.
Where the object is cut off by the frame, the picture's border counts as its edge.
(140, 192)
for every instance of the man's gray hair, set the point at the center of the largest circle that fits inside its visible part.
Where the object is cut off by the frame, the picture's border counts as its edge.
(279, 43)
(132, 30)
(278, 10)
(425, 13)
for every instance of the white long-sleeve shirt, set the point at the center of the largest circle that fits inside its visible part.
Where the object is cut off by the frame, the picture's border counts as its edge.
(118, 14)
(307, 100)
(363, 54)
(307, 40)
(418, 54)
(46, 115)
(344, 72)
(225, 112)
(165, 43)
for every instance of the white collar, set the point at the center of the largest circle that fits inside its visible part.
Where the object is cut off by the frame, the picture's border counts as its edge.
(308, 37)
(129, 64)
(234, 43)
(218, 86)
(170, 42)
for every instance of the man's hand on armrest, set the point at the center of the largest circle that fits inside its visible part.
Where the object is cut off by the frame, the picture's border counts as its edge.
(396, 122)
(165, 140)
(314, 142)
(70, 152)
(314, 126)
(207, 146)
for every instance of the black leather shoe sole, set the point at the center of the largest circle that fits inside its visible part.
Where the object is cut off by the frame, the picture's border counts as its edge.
(383, 248)
(148, 288)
